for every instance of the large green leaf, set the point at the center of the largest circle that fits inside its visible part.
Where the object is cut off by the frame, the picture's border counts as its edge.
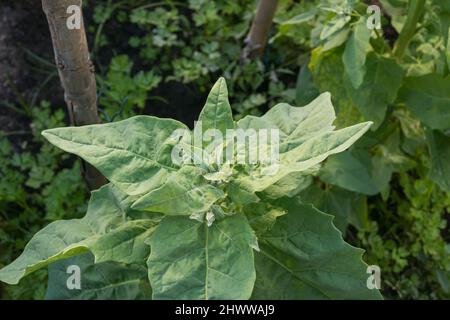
(355, 53)
(262, 216)
(134, 154)
(125, 243)
(59, 240)
(439, 145)
(185, 192)
(105, 230)
(304, 257)
(346, 207)
(381, 83)
(348, 172)
(306, 139)
(428, 98)
(100, 281)
(321, 66)
(305, 91)
(190, 260)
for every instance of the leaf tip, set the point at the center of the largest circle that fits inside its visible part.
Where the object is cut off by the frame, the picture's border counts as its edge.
(327, 95)
(48, 133)
(45, 133)
(368, 124)
(221, 82)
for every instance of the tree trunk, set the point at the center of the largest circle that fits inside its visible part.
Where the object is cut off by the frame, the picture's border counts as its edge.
(256, 40)
(76, 73)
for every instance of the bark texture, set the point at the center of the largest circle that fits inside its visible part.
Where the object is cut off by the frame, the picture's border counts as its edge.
(76, 72)
(256, 40)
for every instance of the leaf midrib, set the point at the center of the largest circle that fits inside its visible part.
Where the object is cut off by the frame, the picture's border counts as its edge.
(118, 149)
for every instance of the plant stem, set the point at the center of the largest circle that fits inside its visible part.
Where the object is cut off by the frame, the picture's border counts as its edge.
(415, 11)
(256, 40)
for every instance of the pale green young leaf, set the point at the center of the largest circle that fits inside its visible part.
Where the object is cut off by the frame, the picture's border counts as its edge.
(304, 157)
(318, 148)
(295, 124)
(294, 22)
(216, 113)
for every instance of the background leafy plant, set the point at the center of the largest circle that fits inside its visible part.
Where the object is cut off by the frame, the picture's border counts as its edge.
(398, 165)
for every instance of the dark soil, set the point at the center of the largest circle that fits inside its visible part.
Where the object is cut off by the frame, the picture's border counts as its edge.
(182, 103)
(24, 29)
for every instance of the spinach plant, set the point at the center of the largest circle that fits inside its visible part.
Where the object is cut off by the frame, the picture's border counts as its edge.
(167, 229)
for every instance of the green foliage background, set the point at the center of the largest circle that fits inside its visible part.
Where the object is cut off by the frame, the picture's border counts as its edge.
(389, 193)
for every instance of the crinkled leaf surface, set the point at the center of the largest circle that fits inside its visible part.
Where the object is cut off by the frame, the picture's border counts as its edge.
(304, 257)
(305, 156)
(306, 139)
(134, 154)
(100, 281)
(184, 193)
(190, 260)
(295, 124)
